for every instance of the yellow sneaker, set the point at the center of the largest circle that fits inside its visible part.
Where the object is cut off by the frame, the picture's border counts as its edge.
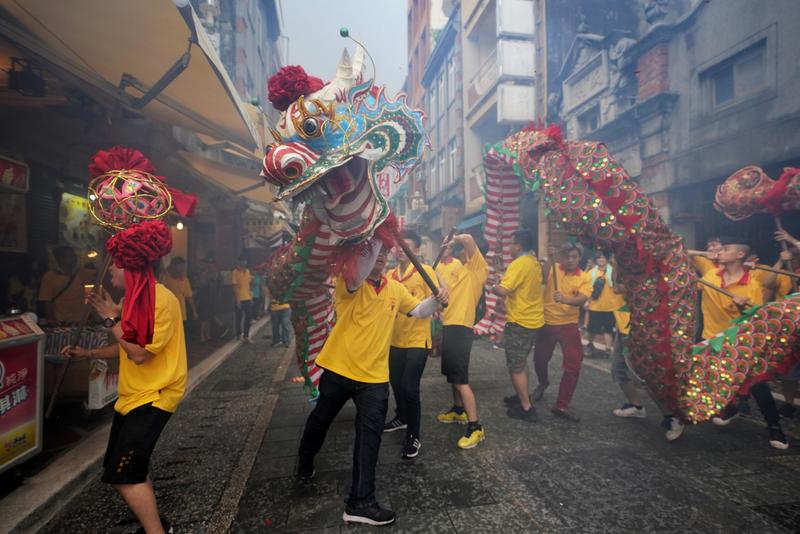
(472, 439)
(451, 416)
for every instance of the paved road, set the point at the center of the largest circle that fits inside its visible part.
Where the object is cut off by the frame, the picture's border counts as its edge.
(213, 469)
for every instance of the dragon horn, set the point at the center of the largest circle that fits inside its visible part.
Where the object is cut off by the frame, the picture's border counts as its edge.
(344, 71)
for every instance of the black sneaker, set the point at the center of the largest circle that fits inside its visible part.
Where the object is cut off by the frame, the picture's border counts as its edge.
(305, 470)
(512, 400)
(411, 447)
(777, 438)
(516, 412)
(369, 515)
(787, 410)
(394, 424)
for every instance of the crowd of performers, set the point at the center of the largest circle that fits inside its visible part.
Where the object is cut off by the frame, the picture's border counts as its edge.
(543, 302)
(382, 338)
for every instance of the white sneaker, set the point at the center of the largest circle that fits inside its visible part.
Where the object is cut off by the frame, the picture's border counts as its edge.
(727, 415)
(629, 410)
(674, 428)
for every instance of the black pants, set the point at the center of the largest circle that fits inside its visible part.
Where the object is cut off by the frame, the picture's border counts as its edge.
(372, 402)
(244, 313)
(405, 371)
(766, 403)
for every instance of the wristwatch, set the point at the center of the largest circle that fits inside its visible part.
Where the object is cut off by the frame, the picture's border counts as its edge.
(109, 322)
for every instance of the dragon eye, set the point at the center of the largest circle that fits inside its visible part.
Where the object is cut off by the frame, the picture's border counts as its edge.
(311, 127)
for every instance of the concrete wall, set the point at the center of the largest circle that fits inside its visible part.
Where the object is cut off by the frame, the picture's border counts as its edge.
(707, 143)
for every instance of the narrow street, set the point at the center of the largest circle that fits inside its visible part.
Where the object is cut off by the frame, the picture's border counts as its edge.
(227, 458)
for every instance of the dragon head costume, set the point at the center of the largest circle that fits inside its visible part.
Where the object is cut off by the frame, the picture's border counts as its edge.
(331, 142)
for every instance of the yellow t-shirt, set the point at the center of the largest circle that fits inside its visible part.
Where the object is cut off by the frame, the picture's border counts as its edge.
(622, 318)
(570, 285)
(606, 302)
(465, 284)
(358, 345)
(241, 284)
(718, 309)
(68, 307)
(161, 379)
(447, 270)
(523, 281)
(410, 332)
(784, 288)
(703, 264)
(278, 306)
(180, 287)
(783, 282)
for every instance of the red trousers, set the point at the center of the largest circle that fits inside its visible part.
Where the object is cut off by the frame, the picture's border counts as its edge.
(568, 336)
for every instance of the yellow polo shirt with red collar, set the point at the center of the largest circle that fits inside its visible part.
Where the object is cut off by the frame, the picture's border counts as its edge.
(718, 309)
(358, 345)
(410, 332)
(161, 379)
(570, 285)
(465, 285)
(523, 282)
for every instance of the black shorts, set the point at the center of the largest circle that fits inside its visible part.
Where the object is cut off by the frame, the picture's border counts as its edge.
(130, 444)
(601, 322)
(456, 346)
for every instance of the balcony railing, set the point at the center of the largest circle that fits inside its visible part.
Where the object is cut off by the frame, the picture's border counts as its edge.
(484, 81)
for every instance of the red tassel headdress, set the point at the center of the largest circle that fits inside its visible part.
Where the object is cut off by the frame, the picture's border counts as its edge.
(145, 238)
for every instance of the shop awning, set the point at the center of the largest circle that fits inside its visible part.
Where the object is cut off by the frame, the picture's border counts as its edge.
(135, 49)
(247, 184)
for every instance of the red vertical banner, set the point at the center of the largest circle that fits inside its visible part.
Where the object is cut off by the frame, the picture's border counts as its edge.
(18, 397)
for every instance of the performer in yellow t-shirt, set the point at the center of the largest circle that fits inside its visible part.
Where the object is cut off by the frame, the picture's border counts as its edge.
(464, 281)
(781, 286)
(243, 297)
(61, 289)
(280, 317)
(522, 288)
(720, 310)
(602, 302)
(411, 344)
(563, 298)
(356, 363)
(152, 383)
(175, 280)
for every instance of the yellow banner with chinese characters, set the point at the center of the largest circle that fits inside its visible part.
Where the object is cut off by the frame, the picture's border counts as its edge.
(17, 442)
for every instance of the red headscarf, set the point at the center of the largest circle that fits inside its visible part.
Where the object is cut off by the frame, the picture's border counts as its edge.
(135, 249)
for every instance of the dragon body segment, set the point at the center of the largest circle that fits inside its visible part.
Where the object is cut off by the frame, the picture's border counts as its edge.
(593, 197)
